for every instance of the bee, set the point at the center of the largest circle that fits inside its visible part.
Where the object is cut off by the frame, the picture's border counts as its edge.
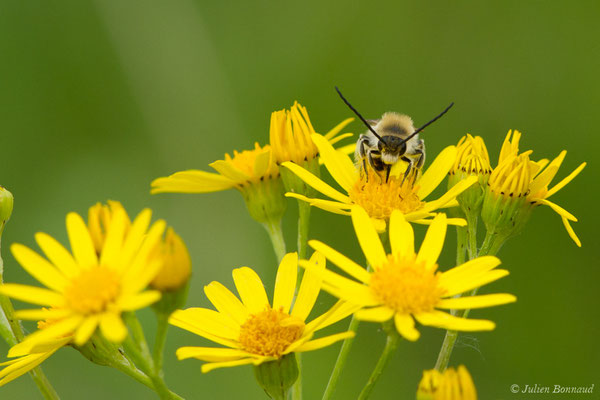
(390, 139)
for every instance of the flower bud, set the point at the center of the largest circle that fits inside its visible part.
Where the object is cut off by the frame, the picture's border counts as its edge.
(448, 385)
(177, 266)
(6, 207)
(277, 377)
(471, 160)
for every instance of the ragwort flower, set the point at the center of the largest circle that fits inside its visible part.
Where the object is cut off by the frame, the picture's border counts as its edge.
(379, 198)
(406, 285)
(518, 185)
(87, 289)
(252, 330)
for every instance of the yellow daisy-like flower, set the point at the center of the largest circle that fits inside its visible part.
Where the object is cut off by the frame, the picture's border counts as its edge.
(379, 198)
(243, 169)
(448, 385)
(252, 330)
(86, 290)
(518, 177)
(290, 135)
(406, 285)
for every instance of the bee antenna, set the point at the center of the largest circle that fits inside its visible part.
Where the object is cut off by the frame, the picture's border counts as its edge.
(358, 114)
(429, 123)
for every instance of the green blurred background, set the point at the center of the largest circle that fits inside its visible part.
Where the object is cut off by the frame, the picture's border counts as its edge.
(98, 98)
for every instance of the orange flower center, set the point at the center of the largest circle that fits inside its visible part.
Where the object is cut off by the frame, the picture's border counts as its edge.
(406, 286)
(379, 198)
(93, 290)
(270, 332)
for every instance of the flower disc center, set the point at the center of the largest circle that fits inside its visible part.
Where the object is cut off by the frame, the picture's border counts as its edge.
(379, 198)
(93, 290)
(270, 332)
(406, 286)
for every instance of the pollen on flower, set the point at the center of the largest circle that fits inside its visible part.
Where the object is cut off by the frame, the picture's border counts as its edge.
(93, 290)
(406, 286)
(380, 198)
(269, 333)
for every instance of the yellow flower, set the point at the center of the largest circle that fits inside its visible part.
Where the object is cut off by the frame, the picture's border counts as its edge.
(448, 385)
(379, 198)
(252, 330)
(243, 169)
(406, 285)
(517, 179)
(86, 290)
(290, 135)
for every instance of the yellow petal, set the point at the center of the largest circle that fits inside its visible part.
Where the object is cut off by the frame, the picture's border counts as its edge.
(212, 366)
(42, 314)
(285, 282)
(23, 365)
(566, 180)
(450, 195)
(316, 183)
(31, 294)
(57, 254)
(81, 241)
(191, 181)
(324, 341)
(343, 262)
(436, 172)
(210, 354)
(113, 243)
(444, 320)
(457, 287)
(339, 165)
(375, 314)
(405, 325)
(85, 331)
(139, 300)
(309, 287)
(112, 327)
(228, 170)
(337, 129)
(251, 289)
(337, 312)
(56, 330)
(546, 176)
(571, 232)
(559, 210)
(180, 319)
(135, 236)
(205, 320)
(367, 237)
(327, 205)
(226, 302)
(39, 268)
(469, 269)
(469, 302)
(434, 241)
(402, 236)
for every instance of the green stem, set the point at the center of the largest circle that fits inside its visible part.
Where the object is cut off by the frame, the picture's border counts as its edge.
(490, 246)
(303, 227)
(137, 348)
(161, 338)
(391, 345)
(277, 240)
(43, 384)
(472, 220)
(461, 244)
(341, 360)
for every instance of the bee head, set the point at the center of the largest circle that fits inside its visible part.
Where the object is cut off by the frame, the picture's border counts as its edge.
(392, 145)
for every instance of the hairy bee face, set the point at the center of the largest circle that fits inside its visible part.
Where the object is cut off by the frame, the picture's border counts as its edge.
(394, 145)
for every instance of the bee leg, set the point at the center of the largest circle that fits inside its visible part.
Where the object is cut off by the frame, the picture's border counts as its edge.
(409, 168)
(420, 162)
(364, 162)
(387, 173)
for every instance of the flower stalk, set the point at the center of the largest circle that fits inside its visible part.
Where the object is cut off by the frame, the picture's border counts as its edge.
(391, 344)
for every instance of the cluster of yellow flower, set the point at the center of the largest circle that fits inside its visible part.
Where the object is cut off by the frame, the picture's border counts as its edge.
(117, 266)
